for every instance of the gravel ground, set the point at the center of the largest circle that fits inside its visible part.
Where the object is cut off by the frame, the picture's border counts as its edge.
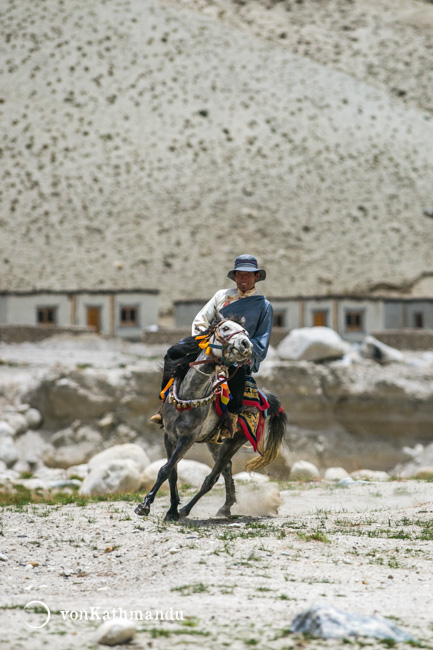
(235, 582)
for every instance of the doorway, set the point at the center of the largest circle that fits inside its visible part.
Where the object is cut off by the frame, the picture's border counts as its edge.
(320, 318)
(94, 318)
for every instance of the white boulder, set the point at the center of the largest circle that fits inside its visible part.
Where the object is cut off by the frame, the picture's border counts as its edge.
(335, 474)
(114, 477)
(8, 451)
(371, 348)
(115, 632)
(303, 470)
(189, 472)
(120, 452)
(369, 475)
(6, 429)
(312, 344)
(18, 422)
(251, 477)
(34, 418)
(72, 447)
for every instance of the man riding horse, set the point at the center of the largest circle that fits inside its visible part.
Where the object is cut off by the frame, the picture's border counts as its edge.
(244, 302)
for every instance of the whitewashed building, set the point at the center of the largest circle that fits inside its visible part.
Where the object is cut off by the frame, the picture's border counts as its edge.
(115, 313)
(353, 317)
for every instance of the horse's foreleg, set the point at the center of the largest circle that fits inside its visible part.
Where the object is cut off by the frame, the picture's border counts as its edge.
(224, 511)
(172, 513)
(228, 450)
(182, 447)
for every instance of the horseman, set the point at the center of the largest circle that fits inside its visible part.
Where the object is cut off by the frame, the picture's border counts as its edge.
(244, 302)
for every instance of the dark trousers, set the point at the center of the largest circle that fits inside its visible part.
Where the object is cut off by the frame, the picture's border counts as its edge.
(181, 352)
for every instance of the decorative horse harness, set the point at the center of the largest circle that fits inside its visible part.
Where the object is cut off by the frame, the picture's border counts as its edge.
(221, 374)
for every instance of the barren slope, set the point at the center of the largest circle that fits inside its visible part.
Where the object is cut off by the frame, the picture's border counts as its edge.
(144, 142)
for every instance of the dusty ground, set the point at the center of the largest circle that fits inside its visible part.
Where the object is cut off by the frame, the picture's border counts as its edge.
(237, 583)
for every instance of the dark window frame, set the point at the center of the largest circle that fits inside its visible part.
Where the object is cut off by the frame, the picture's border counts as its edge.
(418, 320)
(357, 316)
(46, 315)
(279, 318)
(129, 316)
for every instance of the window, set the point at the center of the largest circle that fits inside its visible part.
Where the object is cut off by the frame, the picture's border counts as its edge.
(279, 318)
(46, 315)
(418, 319)
(354, 320)
(129, 316)
(320, 318)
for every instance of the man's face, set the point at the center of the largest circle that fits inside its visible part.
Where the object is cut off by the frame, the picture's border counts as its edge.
(246, 280)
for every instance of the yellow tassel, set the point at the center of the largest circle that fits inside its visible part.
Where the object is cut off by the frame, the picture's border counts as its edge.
(169, 383)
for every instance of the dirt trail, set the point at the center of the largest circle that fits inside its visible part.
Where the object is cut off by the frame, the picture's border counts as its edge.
(238, 582)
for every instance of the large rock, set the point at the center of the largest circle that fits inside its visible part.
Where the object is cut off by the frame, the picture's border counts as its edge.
(422, 457)
(34, 418)
(312, 344)
(8, 451)
(328, 622)
(113, 477)
(115, 632)
(370, 475)
(371, 348)
(120, 452)
(72, 447)
(335, 474)
(303, 470)
(6, 429)
(17, 421)
(125, 394)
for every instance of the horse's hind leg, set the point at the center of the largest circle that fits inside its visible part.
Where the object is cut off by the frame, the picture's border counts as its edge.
(224, 511)
(228, 450)
(182, 447)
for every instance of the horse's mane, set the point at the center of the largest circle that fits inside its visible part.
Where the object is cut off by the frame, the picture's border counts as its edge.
(236, 318)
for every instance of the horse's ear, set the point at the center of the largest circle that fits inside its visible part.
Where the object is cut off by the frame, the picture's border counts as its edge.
(217, 317)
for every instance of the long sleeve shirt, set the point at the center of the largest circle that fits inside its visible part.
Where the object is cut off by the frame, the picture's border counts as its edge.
(254, 307)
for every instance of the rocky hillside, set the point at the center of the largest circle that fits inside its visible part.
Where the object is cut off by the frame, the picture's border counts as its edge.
(147, 141)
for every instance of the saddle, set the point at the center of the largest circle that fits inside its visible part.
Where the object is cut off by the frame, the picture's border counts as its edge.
(251, 420)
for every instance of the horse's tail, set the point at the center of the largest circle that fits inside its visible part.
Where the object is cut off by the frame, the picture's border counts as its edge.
(277, 424)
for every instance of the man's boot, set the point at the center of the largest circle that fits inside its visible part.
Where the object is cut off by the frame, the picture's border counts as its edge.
(157, 418)
(230, 425)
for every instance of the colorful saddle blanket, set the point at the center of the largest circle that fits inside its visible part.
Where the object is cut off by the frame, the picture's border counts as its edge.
(252, 418)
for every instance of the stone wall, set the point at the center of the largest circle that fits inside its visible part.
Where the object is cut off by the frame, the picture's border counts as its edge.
(35, 333)
(406, 339)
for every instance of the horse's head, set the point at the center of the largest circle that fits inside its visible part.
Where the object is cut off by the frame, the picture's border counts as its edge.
(231, 341)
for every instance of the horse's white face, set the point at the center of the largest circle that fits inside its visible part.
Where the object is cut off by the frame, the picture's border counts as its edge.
(236, 345)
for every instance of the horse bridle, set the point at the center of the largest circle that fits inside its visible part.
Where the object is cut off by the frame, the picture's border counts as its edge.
(179, 403)
(224, 339)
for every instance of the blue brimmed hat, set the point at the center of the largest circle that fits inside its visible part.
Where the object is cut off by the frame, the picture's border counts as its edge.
(246, 263)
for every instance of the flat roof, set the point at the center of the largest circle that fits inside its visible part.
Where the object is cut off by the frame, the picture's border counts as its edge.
(194, 301)
(63, 292)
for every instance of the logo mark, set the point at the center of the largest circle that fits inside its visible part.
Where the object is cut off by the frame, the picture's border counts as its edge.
(40, 608)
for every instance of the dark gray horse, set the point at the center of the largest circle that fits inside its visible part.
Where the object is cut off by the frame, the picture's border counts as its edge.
(189, 416)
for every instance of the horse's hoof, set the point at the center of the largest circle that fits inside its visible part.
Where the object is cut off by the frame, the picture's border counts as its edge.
(182, 513)
(171, 516)
(223, 512)
(142, 510)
